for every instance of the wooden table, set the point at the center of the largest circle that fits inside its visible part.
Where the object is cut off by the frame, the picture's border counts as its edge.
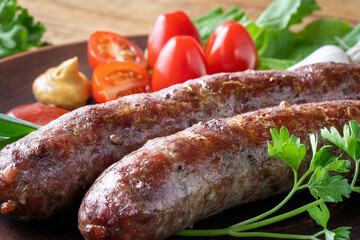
(69, 20)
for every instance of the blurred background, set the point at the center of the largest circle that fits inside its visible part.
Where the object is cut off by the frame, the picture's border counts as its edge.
(68, 20)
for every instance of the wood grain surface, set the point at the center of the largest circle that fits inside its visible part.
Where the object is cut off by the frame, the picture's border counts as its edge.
(74, 20)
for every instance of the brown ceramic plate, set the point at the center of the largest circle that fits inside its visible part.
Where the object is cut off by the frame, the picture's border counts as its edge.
(16, 76)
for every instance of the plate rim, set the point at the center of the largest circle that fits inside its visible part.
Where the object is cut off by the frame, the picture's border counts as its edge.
(36, 50)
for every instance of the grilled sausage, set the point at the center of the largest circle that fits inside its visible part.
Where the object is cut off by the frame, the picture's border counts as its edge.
(176, 180)
(53, 166)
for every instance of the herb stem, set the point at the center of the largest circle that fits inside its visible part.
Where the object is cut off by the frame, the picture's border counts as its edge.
(240, 228)
(271, 211)
(295, 188)
(6, 118)
(303, 179)
(319, 233)
(271, 235)
(222, 232)
(276, 218)
(355, 174)
(203, 232)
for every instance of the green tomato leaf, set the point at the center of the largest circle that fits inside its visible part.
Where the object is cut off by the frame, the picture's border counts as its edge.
(281, 14)
(350, 143)
(330, 189)
(287, 149)
(320, 214)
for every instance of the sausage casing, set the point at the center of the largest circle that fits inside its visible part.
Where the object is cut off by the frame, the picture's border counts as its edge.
(54, 166)
(176, 180)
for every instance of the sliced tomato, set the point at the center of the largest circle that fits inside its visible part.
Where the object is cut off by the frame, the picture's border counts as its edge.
(116, 79)
(230, 48)
(181, 59)
(166, 26)
(37, 113)
(104, 47)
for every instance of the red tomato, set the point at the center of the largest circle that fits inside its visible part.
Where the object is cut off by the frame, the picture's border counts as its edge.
(230, 48)
(181, 59)
(116, 79)
(37, 113)
(104, 47)
(167, 26)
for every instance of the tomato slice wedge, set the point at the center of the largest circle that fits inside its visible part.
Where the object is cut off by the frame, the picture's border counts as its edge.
(37, 113)
(104, 47)
(116, 79)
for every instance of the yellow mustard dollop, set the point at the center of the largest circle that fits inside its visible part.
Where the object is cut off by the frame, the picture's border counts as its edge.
(63, 86)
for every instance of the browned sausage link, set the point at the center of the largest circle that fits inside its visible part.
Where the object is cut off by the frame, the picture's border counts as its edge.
(52, 167)
(174, 181)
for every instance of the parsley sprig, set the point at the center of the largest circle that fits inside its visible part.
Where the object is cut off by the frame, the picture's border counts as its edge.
(323, 186)
(18, 30)
(350, 144)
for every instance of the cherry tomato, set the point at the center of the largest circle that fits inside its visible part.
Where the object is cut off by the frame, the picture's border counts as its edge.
(104, 47)
(230, 48)
(167, 26)
(37, 113)
(116, 79)
(181, 59)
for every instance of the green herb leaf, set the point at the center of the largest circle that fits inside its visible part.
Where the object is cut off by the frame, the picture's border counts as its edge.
(18, 31)
(314, 139)
(320, 214)
(350, 143)
(7, 141)
(285, 44)
(266, 63)
(12, 129)
(281, 14)
(279, 47)
(321, 185)
(207, 23)
(287, 149)
(356, 189)
(323, 158)
(341, 166)
(329, 235)
(341, 233)
(330, 189)
(10, 126)
(352, 37)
